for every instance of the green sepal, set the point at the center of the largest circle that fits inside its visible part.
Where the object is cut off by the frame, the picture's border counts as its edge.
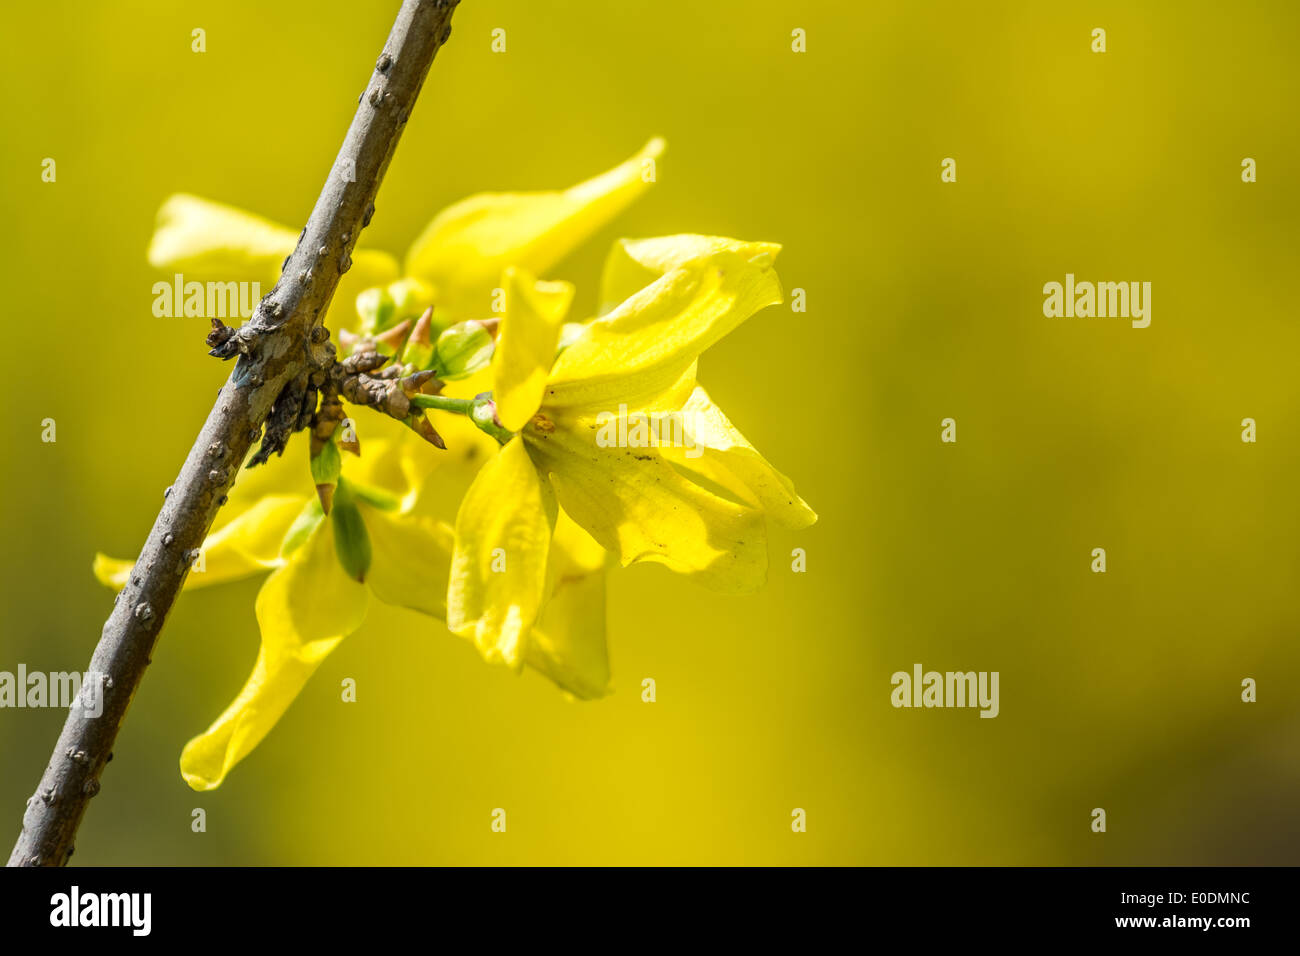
(375, 497)
(326, 466)
(307, 521)
(351, 540)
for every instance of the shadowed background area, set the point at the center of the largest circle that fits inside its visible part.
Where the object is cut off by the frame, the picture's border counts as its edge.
(924, 301)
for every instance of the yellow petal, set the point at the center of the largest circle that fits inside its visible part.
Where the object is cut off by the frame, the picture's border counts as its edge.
(399, 462)
(498, 570)
(440, 478)
(464, 250)
(715, 448)
(632, 264)
(636, 505)
(247, 543)
(646, 344)
(525, 346)
(380, 463)
(112, 572)
(568, 644)
(206, 240)
(410, 560)
(287, 474)
(304, 609)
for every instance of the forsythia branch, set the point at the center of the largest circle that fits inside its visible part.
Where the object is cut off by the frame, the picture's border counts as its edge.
(278, 349)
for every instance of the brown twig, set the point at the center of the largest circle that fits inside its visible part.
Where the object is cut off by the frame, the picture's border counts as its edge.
(278, 353)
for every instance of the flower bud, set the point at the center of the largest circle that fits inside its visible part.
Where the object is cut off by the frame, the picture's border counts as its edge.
(483, 414)
(462, 350)
(326, 464)
(419, 347)
(420, 424)
(392, 338)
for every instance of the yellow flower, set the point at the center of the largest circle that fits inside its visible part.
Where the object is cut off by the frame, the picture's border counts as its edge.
(309, 603)
(205, 240)
(400, 492)
(697, 502)
(468, 245)
(455, 263)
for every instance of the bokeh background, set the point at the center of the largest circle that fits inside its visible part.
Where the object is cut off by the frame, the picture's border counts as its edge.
(924, 301)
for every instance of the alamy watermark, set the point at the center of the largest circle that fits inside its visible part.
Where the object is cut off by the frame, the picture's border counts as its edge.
(1123, 300)
(65, 689)
(624, 429)
(133, 911)
(949, 689)
(205, 300)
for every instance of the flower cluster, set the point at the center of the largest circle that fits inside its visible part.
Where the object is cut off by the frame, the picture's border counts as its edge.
(507, 533)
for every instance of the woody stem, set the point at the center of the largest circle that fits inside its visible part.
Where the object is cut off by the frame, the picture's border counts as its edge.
(274, 349)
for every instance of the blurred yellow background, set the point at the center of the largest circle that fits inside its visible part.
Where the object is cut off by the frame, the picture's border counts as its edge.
(924, 301)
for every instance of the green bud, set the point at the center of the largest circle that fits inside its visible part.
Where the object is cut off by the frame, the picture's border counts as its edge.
(351, 540)
(462, 350)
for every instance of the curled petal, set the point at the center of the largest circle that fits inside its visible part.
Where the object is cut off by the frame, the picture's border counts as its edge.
(646, 344)
(411, 559)
(498, 570)
(568, 644)
(525, 347)
(304, 610)
(210, 239)
(464, 250)
(112, 572)
(632, 264)
(715, 448)
(206, 240)
(247, 543)
(638, 506)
